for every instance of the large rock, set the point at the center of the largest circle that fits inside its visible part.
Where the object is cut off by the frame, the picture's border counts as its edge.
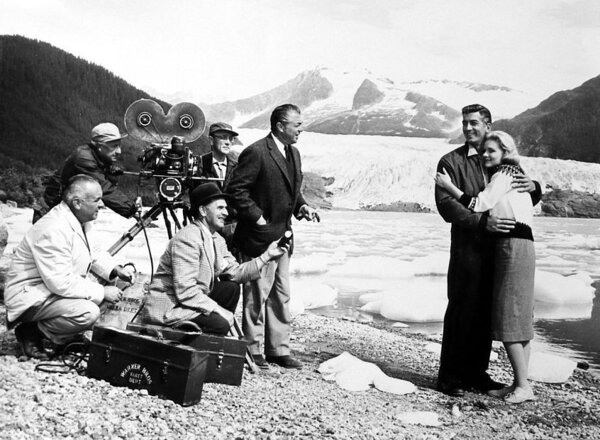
(314, 191)
(570, 203)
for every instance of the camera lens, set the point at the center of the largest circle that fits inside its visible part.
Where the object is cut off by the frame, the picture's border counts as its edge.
(186, 121)
(144, 119)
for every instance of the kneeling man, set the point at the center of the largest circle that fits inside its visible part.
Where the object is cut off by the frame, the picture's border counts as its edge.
(198, 278)
(48, 292)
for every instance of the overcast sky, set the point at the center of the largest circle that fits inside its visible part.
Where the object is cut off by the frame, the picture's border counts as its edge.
(229, 49)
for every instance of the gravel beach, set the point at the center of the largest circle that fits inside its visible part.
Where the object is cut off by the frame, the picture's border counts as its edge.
(278, 403)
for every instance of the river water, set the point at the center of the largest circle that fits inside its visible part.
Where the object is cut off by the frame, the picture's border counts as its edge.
(359, 252)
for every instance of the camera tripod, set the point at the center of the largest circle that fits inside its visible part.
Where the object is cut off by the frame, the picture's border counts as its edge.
(167, 208)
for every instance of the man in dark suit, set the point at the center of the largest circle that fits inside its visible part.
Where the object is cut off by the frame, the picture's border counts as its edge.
(265, 189)
(218, 162)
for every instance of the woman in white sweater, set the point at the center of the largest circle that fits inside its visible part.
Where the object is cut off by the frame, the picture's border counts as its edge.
(514, 257)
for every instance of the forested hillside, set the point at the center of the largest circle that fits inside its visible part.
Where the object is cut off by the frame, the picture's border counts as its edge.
(49, 102)
(564, 126)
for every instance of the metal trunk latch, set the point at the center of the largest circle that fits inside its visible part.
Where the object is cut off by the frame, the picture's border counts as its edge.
(164, 372)
(107, 353)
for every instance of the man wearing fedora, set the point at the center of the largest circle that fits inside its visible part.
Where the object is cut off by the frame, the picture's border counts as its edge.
(198, 278)
(266, 192)
(96, 159)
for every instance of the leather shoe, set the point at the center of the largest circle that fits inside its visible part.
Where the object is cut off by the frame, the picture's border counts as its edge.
(485, 384)
(285, 361)
(451, 389)
(260, 361)
(30, 341)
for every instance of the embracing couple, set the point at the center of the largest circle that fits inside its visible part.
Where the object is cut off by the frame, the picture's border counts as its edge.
(482, 190)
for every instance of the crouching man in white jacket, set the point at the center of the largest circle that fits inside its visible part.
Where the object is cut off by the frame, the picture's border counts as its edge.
(48, 292)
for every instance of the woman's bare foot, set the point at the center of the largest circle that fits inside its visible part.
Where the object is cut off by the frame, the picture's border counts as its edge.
(520, 395)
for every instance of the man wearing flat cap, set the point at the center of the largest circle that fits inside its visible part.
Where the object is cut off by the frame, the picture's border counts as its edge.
(96, 159)
(219, 163)
(198, 278)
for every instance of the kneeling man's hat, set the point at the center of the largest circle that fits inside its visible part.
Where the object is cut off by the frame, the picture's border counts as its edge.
(205, 193)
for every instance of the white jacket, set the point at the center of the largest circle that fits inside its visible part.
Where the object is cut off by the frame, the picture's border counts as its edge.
(54, 258)
(502, 200)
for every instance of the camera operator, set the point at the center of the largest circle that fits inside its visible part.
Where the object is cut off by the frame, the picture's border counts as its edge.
(96, 159)
(198, 278)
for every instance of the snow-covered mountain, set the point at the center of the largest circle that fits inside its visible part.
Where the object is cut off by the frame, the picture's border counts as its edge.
(359, 102)
(371, 170)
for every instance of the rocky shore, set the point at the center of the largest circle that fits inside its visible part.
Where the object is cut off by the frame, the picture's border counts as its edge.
(277, 403)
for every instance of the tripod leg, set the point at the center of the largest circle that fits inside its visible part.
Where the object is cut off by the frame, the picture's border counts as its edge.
(175, 219)
(128, 236)
(167, 222)
(237, 332)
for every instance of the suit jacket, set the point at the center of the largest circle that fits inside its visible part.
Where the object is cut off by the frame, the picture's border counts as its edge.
(261, 186)
(209, 171)
(182, 284)
(54, 258)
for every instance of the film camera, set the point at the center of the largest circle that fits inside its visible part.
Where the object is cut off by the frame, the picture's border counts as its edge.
(167, 159)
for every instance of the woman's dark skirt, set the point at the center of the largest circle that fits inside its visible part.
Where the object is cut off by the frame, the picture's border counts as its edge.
(512, 303)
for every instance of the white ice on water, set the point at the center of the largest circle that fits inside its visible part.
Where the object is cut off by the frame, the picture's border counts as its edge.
(397, 270)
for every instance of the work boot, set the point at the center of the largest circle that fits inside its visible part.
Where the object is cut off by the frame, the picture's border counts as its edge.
(30, 340)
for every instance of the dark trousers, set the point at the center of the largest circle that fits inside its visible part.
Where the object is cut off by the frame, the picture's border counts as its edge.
(226, 294)
(467, 341)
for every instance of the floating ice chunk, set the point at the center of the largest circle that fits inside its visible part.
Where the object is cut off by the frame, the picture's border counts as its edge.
(558, 289)
(400, 325)
(312, 294)
(393, 385)
(421, 299)
(370, 297)
(426, 418)
(356, 285)
(554, 261)
(549, 368)
(433, 264)
(372, 307)
(315, 263)
(374, 267)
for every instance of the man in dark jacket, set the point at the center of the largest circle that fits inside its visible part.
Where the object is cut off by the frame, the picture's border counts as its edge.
(219, 163)
(265, 189)
(467, 341)
(96, 159)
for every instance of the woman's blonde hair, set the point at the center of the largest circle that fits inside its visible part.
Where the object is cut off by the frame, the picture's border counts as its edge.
(506, 143)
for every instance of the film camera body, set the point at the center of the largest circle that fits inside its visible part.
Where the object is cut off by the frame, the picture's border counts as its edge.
(168, 159)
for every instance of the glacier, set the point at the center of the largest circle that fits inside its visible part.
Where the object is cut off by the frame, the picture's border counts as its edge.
(369, 170)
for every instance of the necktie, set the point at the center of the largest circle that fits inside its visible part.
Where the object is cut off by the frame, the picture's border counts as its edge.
(288, 153)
